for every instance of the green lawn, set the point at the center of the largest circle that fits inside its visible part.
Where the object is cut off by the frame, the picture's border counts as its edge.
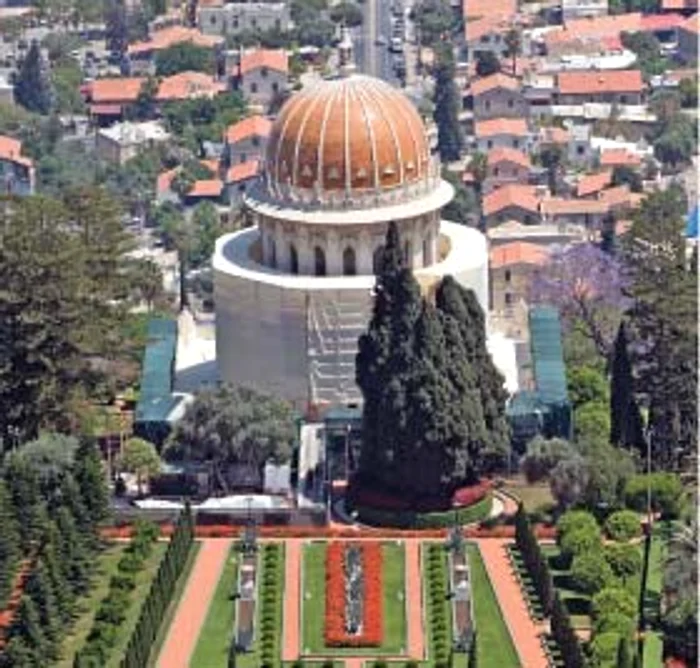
(172, 607)
(494, 645)
(653, 649)
(138, 596)
(314, 604)
(87, 606)
(534, 496)
(216, 634)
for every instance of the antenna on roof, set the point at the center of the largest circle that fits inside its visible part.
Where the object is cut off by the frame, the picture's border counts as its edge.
(346, 52)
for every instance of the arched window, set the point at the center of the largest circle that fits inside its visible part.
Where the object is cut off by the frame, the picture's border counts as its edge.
(377, 259)
(319, 261)
(427, 251)
(407, 254)
(349, 263)
(293, 259)
(273, 253)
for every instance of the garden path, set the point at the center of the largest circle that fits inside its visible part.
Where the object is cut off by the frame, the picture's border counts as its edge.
(523, 630)
(414, 599)
(194, 604)
(292, 601)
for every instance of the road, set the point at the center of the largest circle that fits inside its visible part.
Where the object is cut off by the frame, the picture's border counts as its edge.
(374, 59)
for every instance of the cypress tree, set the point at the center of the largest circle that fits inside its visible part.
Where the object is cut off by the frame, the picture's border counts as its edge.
(33, 89)
(27, 626)
(9, 543)
(90, 475)
(39, 588)
(626, 428)
(447, 105)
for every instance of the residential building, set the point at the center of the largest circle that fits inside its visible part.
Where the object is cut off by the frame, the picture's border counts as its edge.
(686, 7)
(590, 185)
(538, 92)
(588, 213)
(205, 190)
(234, 18)
(506, 165)
(502, 132)
(511, 267)
(141, 55)
(124, 141)
(477, 9)
(578, 9)
(239, 178)
(613, 87)
(486, 35)
(619, 157)
(498, 96)
(189, 85)
(246, 140)
(263, 76)
(17, 176)
(512, 202)
(688, 40)
(587, 35)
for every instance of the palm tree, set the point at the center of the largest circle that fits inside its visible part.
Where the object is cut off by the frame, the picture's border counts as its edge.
(513, 41)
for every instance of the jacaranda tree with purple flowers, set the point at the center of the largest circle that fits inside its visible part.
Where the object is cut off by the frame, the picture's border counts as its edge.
(587, 285)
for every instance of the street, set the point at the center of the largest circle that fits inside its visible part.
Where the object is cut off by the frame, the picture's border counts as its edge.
(371, 58)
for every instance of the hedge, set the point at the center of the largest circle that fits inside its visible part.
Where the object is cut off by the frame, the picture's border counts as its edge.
(407, 519)
(623, 525)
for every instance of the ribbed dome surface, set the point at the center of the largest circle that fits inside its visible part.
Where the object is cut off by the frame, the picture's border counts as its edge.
(348, 134)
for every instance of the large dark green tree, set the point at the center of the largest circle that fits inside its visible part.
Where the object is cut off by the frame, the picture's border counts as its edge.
(447, 105)
(33, 88)
(663, 320)
(117, 26)
(626, 425)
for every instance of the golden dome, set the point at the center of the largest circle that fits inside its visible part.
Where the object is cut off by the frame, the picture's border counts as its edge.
(353, 134)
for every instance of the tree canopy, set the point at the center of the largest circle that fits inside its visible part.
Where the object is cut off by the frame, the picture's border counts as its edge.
(185, 57)
(447, 105)
(33, 87)
(433, 401)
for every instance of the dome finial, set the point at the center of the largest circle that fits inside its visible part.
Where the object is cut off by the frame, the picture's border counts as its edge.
(345, 52)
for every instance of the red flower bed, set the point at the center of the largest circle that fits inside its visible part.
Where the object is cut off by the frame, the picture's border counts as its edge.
(372, 610)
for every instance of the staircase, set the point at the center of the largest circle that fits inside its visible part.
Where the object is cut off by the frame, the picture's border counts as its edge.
(334, 326)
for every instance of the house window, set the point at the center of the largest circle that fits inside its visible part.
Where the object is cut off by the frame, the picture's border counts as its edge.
(256, 141)
(427, 251)
(580, 150)
(254, 23)
(496, 171)
(510, 104)
(407, 253)
(212, 20)
(623, 99)
(235, 22)
(509, 299)
(263, 72)
(278, 24)
(506, 275)
(349, 264)
(253, 87)
(319, 262)
(489, 144)
(241, 188)
(273, 253)
(293, 259)
(487, 105)
(244, 157)
(516, 143)
(275, 87)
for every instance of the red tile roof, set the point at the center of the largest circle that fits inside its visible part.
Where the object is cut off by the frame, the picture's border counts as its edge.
(517, 252)
(187, 85)
(253, 126)
(242, 171)
(554, 135)
(594, 28)
(475, 30)
(511, 195)
(559, 206)
(11, 151)
(620, 196)
(479, 8)
(506, 154)
(167, 37)
(165, 179)
(610, 81)
(206, 188)
(501, 126)
(272, 59)
(492, 82)
(115, 89)
(105, 109)
(654, 22)
(691, 25)
(613, 157)
(590, 184)
(667, 5)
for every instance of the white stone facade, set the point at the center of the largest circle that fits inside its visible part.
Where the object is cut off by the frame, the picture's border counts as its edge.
(234, 18)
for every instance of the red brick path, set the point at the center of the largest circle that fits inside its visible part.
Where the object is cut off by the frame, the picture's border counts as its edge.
(292, 600)
(194, 604)
(414, 599)
(523, 630)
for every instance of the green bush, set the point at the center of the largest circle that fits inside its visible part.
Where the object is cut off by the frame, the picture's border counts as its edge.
(122, 581)
(574, 520)
(667, 496)
(623, 525)
(616, 622)
(603, 650)
(580, 541)
(613, 600)
(590, 572)
(131, 562)
(625, 560)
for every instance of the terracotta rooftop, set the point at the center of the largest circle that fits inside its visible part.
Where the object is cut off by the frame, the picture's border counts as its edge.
(167, 37)
(517, 252)
(253, 126)
(242, 171)
(613, 157)
(610, 81)
(206, 188)
(492, 82)
(590, 184)
(554, 135)
(501, 126)
(511, 195)
(187, 85)
(671, 5)
(115, 90)
(620, 196)
(654, 22)
(507, 154)
(691, 25)
(560, 206)
(272, 59)
(594, 28)
(472, 9)
(11, 151)
(476, 29)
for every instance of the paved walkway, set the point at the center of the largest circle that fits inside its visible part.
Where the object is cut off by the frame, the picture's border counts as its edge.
(292, 598)
(194, 604)
(523, 630)
(414, 599)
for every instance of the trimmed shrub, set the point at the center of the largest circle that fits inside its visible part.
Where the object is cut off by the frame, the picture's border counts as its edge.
(573, 520)
(667, 495)
(625, 560)
(616, 622)
(623, 525)
(580, 541)
(590, 572)
(603, 649)
(613, 600)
